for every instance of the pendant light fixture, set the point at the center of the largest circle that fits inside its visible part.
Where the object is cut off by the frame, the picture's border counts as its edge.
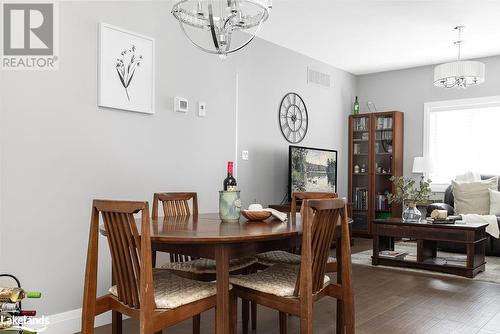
(221, 26)
(460, 73)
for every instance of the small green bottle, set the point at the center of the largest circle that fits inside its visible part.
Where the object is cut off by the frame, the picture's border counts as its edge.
(355, 108)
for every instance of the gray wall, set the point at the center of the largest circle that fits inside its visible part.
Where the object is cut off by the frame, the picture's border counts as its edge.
(266, 74)
(59, 151)
(407, 90)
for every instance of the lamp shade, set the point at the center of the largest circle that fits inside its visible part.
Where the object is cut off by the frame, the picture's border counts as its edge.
(459, 73)
(421, 165)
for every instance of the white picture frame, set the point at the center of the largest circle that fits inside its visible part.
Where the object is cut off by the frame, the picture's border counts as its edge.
(126, 70)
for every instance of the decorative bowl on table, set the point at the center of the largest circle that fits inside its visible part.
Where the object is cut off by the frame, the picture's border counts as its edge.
(256, 215)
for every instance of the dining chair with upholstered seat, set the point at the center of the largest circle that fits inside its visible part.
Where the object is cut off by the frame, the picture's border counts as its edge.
(279, 256)
(271, 258)
(293, 289)
(157, 297)
(175, 204)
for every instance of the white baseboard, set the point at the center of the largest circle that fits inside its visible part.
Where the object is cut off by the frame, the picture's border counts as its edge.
(71, 322)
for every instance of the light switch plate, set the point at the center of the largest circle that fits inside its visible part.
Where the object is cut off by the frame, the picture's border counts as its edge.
(244, 155)
(202, 109)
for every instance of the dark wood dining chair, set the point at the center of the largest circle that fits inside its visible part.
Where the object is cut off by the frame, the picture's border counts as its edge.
(293, 289)
(157, 297)
(302, 195)
(291, 256)
(175, 204)
(279, 256)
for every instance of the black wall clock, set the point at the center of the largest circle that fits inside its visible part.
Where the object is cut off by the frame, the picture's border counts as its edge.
(292, 117)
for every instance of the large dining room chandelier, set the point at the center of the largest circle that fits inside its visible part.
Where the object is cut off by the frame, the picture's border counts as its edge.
(221, 26)
(459, 73)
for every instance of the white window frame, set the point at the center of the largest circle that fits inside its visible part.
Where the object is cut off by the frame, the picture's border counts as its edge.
(471, 103)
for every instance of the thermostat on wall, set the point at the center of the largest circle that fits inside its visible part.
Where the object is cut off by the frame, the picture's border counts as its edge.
(180, 104)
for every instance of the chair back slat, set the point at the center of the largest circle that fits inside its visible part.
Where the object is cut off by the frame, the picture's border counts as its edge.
(174, 208)
(323, 233)
(175, 204)
(303, 195)
(319, 220)
(125, 246)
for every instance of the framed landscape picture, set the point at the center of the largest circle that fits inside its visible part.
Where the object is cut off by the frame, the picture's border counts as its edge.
(126, 70)
(312, 169)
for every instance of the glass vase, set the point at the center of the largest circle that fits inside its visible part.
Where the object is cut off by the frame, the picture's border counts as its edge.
(411, 213)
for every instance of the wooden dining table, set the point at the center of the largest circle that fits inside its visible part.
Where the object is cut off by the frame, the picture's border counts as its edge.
(206, 236)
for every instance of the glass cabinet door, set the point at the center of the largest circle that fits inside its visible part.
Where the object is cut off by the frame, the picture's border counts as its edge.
(383, 164)
(360, 172)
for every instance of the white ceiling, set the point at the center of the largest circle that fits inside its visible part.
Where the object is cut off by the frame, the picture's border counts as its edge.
(366, 36)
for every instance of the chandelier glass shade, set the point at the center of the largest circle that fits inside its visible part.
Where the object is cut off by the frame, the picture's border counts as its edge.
(221, 26)
(459, 73)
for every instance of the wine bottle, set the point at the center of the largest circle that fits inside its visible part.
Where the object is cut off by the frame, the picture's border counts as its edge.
(230, 181)
(13, 295)
(13, 309)
(355, 108)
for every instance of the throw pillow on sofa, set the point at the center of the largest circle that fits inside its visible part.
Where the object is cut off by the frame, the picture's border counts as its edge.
(494, 202)
(473, 197)
(468, 177)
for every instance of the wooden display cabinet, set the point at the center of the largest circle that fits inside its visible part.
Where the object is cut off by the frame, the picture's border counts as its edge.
(375, 154)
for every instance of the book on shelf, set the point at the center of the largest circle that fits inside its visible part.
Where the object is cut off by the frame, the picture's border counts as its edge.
(356, 148)
(447, 220)
(411, 257)
(384, 123)
(360, 198)
(361, 124)
(390, 254)
(382, 203)
(458, 260)
(387, 135)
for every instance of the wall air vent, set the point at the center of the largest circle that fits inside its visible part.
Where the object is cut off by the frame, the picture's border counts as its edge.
(318, 78)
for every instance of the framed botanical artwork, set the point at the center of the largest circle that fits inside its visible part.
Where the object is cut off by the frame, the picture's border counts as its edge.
(126, 77)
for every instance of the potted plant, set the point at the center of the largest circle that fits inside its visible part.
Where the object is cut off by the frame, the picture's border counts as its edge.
(408, 194)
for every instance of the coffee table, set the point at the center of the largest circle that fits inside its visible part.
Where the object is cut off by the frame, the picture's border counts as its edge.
(473, 236)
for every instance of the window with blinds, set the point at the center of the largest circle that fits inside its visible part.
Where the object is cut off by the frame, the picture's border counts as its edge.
(461, 136)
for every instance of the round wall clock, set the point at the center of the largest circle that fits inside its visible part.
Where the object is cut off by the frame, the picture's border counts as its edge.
(292, 117)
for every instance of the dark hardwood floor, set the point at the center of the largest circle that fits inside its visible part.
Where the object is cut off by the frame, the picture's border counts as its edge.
(388, 301)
